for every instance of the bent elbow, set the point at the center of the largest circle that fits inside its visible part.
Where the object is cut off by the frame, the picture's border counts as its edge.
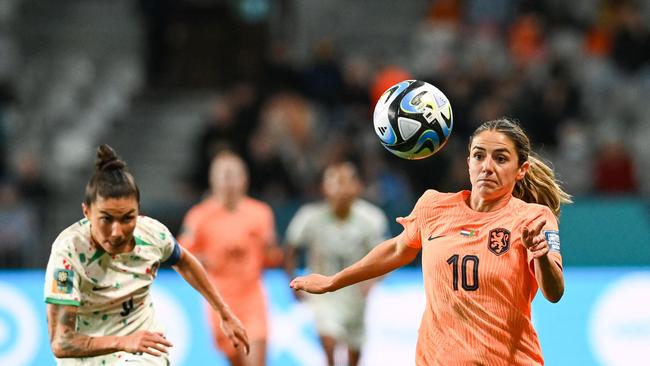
(555, 297)
(58, 352)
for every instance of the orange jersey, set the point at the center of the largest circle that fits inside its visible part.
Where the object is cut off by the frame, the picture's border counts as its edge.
(479, 280)
(232, 245)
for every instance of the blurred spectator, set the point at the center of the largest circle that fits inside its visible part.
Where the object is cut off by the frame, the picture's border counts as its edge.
(434, 49)
(598, 40)
(615, 169)
(270, 178)
(572, 157)
(233, 118)
(631, 49)
(6, 98)
(462, 97)
(445, 11)
(356, 79)
(490, 12)
(557, 101)
(220, 133)
(571, 72)
(526, 40)
(157, 16)
(31, 185)
(385, 78)
(278, 74)
(18, 229)
(323, 80)
(290, 123)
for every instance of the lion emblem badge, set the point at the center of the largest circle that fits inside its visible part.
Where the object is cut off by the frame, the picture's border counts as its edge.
(499, 241)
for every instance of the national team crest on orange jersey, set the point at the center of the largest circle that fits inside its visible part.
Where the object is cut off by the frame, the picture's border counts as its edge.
(499, 241)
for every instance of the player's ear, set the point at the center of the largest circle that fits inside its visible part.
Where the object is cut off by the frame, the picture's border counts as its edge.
(523, 169)
(85, 209)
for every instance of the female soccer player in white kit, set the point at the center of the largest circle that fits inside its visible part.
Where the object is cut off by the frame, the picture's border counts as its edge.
(99, 307)
(337, 233)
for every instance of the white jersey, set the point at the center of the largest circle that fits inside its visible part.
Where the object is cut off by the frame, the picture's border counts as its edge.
(111, 291)
(332, 243)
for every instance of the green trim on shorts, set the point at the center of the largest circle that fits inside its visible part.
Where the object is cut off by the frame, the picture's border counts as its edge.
(51, 300)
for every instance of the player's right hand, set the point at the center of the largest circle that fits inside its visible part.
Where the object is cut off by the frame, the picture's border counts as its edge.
(153, 343)
(234, 330)
(313, 283)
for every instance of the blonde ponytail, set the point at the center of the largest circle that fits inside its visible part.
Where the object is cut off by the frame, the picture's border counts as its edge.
(540, 186)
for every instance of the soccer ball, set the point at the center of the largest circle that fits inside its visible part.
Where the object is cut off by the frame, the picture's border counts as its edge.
(413, 119)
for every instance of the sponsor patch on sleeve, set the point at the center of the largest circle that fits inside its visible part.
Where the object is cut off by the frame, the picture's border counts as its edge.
(62, 283)
(553, 240)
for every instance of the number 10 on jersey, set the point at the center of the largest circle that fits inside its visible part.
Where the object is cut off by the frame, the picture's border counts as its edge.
(468, 284)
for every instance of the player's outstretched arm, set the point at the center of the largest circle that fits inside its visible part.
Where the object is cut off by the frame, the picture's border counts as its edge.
(193, 272)
(548, 270)
(66, 342)
(385, 257)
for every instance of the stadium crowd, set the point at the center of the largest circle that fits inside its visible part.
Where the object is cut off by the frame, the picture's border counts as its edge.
(575, 75)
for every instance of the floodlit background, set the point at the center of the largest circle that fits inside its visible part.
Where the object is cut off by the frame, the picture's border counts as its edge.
(290, 85)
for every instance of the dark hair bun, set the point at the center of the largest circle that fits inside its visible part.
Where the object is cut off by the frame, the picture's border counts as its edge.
(107, 159)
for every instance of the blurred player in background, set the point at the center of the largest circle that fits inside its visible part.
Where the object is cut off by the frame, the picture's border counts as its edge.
(485, 252)
(99, 309)
(234, 237)
(337, 233)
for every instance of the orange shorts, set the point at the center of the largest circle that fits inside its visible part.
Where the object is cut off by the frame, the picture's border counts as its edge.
(251, 310)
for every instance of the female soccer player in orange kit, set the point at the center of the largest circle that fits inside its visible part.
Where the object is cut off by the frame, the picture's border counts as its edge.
(485, 252)
(234, 237)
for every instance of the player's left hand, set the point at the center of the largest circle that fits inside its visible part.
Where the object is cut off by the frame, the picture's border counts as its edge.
(234, 330)
(535, 241)
(313, 283)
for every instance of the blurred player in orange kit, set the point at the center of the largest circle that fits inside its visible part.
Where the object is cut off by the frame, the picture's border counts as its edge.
(234, 237)
(485, 252)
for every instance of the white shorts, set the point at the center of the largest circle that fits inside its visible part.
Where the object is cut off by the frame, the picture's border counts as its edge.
(340, 315)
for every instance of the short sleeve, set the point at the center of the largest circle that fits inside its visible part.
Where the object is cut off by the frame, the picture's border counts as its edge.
(62, 277)
(297, 233)
(411, 233)
(175, 256)
(168, 244)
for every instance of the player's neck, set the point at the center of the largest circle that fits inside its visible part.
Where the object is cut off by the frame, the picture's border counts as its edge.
(480, 204)
(228, 202)
(341, 213)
